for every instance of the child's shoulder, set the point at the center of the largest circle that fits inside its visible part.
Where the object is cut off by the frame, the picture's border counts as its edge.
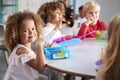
(22, 50)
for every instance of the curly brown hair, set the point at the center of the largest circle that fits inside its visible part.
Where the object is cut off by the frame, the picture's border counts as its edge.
(11, 36)
(47, 9)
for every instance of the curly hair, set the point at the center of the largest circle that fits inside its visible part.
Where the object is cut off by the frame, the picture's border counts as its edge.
(47, 9)
(11, 36)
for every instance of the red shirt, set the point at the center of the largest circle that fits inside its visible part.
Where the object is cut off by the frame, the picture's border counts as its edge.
(90, 31)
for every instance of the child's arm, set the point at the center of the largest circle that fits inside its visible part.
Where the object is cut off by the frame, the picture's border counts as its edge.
(85, 26)
(39, 62)
(83, 30)
(40, 58)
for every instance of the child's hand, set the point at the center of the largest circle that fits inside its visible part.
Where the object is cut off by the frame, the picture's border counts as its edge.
(51, 45)
(40, 41)
(89, 21)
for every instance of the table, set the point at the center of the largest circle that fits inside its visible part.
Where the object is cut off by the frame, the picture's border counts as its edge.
(82, 60)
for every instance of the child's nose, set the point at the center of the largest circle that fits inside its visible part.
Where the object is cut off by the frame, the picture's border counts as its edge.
(94, 14)
(31, 31)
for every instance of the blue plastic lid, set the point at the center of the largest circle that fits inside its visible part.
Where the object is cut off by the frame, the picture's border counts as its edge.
(70, 42)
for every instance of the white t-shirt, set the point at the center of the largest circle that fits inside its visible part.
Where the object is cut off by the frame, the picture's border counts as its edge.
(77, 25)
(18, 68)
(50, 34)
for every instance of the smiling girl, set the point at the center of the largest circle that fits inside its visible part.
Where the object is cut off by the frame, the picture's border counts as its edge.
(22, 29)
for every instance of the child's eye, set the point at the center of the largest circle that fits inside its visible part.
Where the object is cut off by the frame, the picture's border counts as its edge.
(96, 12)
(59, 13)
(25, 30)
(33, 28)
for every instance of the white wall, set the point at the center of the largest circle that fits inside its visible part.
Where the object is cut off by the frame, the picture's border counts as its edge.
(31, 5)
(109, 8)
(79, 3)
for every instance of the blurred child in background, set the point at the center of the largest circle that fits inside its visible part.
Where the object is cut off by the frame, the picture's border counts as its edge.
(91, 11)
(110, 68)
(52, 15)
(81, 19)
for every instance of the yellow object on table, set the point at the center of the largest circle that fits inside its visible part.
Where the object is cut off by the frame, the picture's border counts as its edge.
(101, 36)
(102, 53)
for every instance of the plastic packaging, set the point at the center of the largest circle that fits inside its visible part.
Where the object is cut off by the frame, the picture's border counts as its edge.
(57, 53)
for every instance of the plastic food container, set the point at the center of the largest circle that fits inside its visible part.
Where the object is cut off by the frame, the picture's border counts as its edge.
(57, 53)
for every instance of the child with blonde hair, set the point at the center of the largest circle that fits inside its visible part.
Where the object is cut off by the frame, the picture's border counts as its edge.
(88, 29)
(110, 69)
(22, 29)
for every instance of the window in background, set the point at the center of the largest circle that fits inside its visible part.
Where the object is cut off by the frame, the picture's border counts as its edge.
(7, 7)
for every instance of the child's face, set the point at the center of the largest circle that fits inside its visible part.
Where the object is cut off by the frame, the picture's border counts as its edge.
(27, 31)
(81, 14)
(57, 16)
(93, 15)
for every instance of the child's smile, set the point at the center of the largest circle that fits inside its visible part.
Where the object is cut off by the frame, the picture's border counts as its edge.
(28, 31)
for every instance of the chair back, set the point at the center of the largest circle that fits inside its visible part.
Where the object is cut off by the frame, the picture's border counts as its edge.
(1, 31)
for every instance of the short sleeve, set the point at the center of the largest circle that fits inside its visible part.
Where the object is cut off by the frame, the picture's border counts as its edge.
(26, 57)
